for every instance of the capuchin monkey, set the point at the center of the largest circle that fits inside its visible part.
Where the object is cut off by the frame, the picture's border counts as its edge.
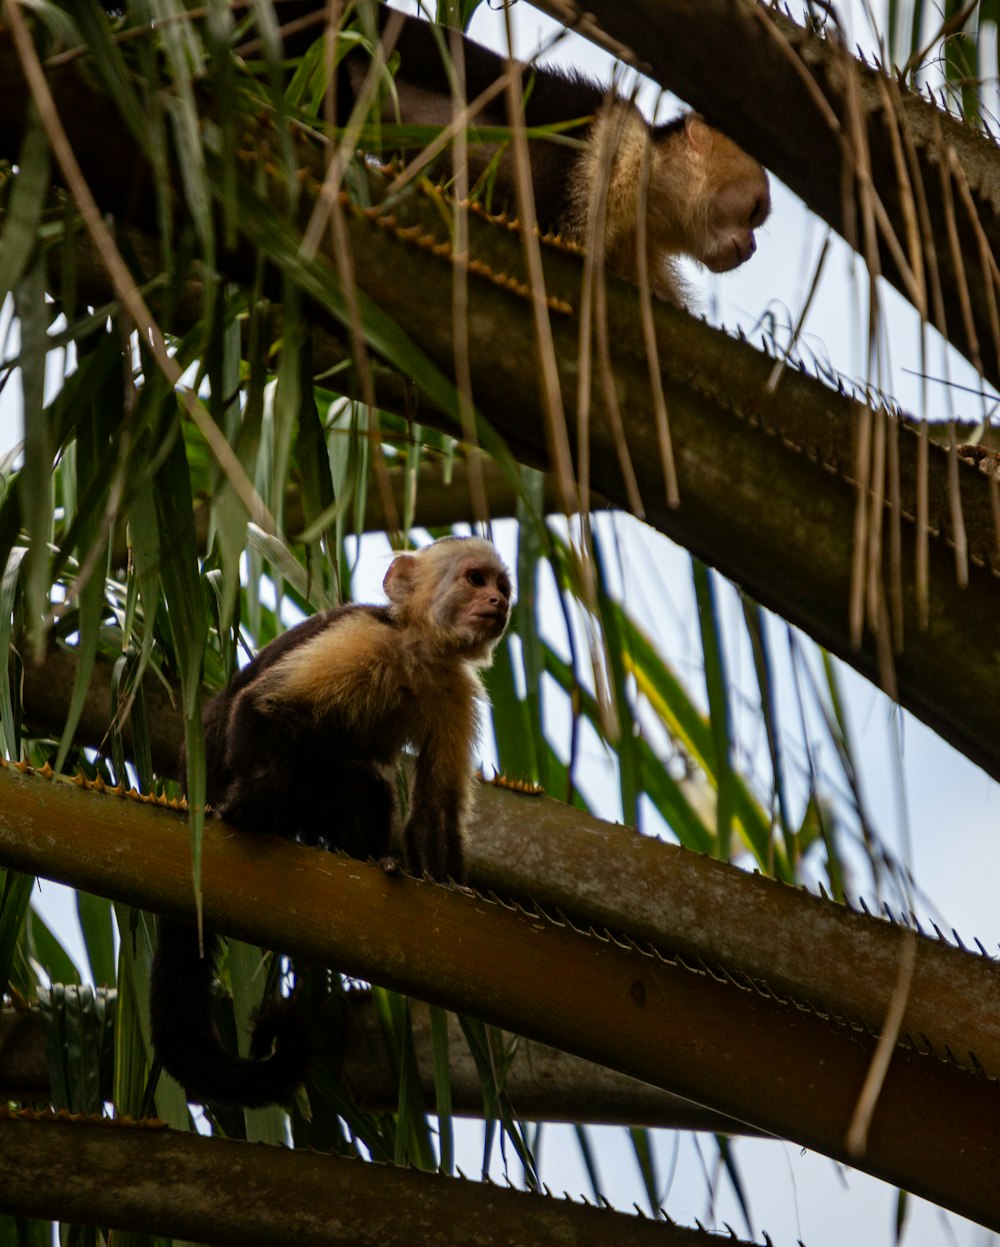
(305, 743)
(704, 198)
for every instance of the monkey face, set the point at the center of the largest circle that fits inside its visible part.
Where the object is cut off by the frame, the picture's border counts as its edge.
(736, 211)
(720, 195)
(485, 588)
(456, 592)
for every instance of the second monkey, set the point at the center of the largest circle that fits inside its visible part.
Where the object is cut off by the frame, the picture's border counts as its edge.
(705, 197)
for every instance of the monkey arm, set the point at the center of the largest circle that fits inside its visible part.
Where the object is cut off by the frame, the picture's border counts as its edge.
(441, 796)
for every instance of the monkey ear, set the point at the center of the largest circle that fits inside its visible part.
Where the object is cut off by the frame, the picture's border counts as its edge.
(398, 582)
(699, 132)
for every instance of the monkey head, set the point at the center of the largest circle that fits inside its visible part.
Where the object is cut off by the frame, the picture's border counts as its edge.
(706, 197)
(736, 197)
(456, 592)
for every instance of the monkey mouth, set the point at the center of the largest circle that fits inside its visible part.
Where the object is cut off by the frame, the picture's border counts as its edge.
(725, 260)
(493, 618)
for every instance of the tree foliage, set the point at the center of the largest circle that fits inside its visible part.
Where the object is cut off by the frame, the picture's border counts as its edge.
(240, 347)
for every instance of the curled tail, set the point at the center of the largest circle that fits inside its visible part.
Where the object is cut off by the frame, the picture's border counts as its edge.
(189, 1045)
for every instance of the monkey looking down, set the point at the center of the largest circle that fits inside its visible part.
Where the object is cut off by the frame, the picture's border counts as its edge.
(304, 743)
(705, 196)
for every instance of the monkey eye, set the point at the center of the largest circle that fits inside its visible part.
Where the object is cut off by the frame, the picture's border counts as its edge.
(503, 584)
(758, 212)
(476, 578)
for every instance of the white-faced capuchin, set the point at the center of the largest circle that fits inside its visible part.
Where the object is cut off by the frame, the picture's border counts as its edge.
(705, 196)
(305, 743)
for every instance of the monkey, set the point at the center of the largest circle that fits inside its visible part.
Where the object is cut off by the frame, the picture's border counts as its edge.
(304, 744)
(704, 198)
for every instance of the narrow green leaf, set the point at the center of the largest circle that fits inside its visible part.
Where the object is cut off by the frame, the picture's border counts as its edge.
(24, 1232)
(642, 1149)
(412, 1123)
(133, 1046)
(756, 626)
(27, 201)
(902, 1212)
(589, 1160)
(35, 480)
(412, 1143)
(128, 700)
(677, 811)
(442, 1088)
(143, 593)
(728, 1158)
(219, 29)
(526, 625)
(186, 611)
(287, 566)
(616, 648)
(717, 687)
(91, 606)
(516, 743)
(185, 57)
(492, 1064)
(10, 716)
(248, 981)
(313, 461)
(97, 927)
(15, 895)
(287, 398)
(106, 57)
(45, 948)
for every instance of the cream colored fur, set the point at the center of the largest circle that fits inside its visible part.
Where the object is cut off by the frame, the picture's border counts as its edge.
(701, 192)
(610, 170)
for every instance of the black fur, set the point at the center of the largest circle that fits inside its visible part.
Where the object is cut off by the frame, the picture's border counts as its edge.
(282, 774)
(188, 1044)
(275, 772)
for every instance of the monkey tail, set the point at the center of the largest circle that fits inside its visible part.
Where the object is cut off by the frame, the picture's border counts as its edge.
(188, 1044)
